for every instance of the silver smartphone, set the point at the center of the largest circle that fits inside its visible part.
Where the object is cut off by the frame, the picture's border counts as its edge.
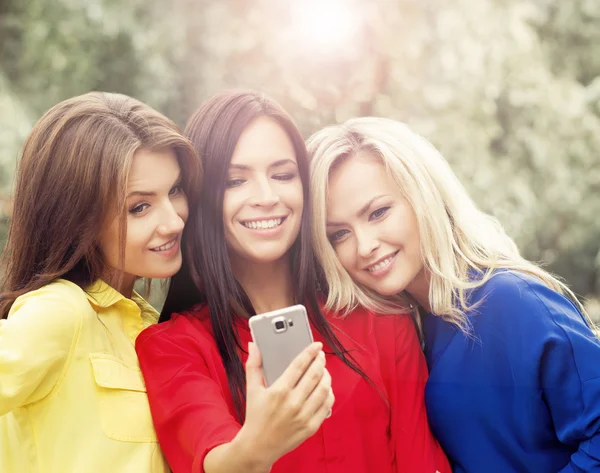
(280, 336)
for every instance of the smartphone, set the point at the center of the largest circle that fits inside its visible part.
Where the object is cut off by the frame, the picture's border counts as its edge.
(280, 336)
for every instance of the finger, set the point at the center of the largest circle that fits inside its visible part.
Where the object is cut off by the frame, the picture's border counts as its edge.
(327, 408)
(254, 374)
(320, 395)
(331, 400)
(316, 420)
(299, 365)
(312, 377)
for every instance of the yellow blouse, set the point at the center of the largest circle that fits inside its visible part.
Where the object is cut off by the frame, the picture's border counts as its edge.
(72, 397)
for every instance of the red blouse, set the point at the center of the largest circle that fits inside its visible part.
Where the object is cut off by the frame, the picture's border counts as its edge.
(368, 431)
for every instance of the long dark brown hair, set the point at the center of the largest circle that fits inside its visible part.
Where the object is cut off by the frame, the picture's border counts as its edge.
(71, 179)
(206, 275)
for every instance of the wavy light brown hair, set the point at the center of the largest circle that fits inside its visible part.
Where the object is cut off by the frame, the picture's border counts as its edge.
(71, 182)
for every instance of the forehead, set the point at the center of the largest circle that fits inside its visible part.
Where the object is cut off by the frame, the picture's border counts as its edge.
(153, 168)
(354, 182)
(263, 141)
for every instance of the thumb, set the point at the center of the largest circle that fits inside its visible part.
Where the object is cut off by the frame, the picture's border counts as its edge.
(254, 375)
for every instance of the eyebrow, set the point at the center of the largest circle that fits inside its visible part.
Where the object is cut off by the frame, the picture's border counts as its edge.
(281, 162)
(361, 212)
(150, 193)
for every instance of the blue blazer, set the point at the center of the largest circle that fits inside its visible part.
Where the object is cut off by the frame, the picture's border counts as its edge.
(521, 393)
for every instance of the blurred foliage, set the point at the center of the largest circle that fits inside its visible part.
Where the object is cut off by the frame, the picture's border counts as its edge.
(508, 90)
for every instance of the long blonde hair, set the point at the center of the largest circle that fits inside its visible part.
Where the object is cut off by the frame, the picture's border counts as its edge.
(458, 240)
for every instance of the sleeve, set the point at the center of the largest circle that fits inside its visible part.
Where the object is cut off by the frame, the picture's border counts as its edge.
(36, 342)
(189, 411)
(570, 377)
(416, 447)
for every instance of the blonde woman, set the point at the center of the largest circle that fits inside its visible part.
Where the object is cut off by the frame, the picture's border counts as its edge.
(514, 367)
(101, 198)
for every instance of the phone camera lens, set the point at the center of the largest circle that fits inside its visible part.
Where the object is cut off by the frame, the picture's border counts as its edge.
(279, 325)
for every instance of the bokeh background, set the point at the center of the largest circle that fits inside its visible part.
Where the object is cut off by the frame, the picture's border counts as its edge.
(508, 90)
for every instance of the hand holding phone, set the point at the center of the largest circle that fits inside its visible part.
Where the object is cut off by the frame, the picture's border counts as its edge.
(280, 417)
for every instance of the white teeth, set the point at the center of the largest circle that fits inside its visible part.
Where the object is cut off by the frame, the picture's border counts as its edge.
(167, 246)
(263, 224)
(380, 265)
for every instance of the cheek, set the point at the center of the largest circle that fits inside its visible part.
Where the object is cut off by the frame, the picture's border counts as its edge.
(231, 205)
(406, 220)
(138, 235)
(294, 196)
(346, 255)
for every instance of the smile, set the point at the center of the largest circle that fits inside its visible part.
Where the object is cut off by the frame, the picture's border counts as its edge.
(267, 224)
(166, 246)
(381, 264)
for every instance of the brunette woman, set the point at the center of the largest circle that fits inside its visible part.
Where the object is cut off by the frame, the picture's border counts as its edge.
(248, 251)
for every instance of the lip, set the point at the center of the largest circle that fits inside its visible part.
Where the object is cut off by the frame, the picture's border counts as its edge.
(386, 269)
(171, 251)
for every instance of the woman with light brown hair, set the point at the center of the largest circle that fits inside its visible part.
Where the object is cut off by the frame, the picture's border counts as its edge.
(101, 199)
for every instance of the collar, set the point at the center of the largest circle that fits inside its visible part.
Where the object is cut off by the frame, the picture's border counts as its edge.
(103, 295)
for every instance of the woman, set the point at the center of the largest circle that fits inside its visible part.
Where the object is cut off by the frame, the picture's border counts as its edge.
(100, 200)
(514, 380)
(248, 251)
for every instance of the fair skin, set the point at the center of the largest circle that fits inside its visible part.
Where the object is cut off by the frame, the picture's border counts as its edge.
(156, 209)
(374, 230)
(262, 211)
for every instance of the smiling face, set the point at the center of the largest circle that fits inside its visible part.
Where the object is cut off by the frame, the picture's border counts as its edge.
(263, 203)
(372, 228)
(156, 213)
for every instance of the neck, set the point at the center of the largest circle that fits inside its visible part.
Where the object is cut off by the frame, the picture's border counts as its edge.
(269, 286)
(125, 286)
(419, 289)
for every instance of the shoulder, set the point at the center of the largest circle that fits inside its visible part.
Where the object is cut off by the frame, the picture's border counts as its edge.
(362, 316)
(55, 310)
(507, 284)
(386, 329)
(61, 299)
(188, 327)
(509, 288)
(522, 300)
(61, 292)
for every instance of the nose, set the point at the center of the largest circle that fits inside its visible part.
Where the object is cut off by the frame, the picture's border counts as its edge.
(172, 221)
(366, 244)
(264, 194)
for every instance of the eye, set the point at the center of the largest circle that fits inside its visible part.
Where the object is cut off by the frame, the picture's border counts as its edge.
(285, 176)
(138, 209)
(176, 190)
(379, 213)
(337, 236)
(234, 182)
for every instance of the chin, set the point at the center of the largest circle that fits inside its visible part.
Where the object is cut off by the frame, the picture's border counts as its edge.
(266, 259)
(387, 291)
(166, 273)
